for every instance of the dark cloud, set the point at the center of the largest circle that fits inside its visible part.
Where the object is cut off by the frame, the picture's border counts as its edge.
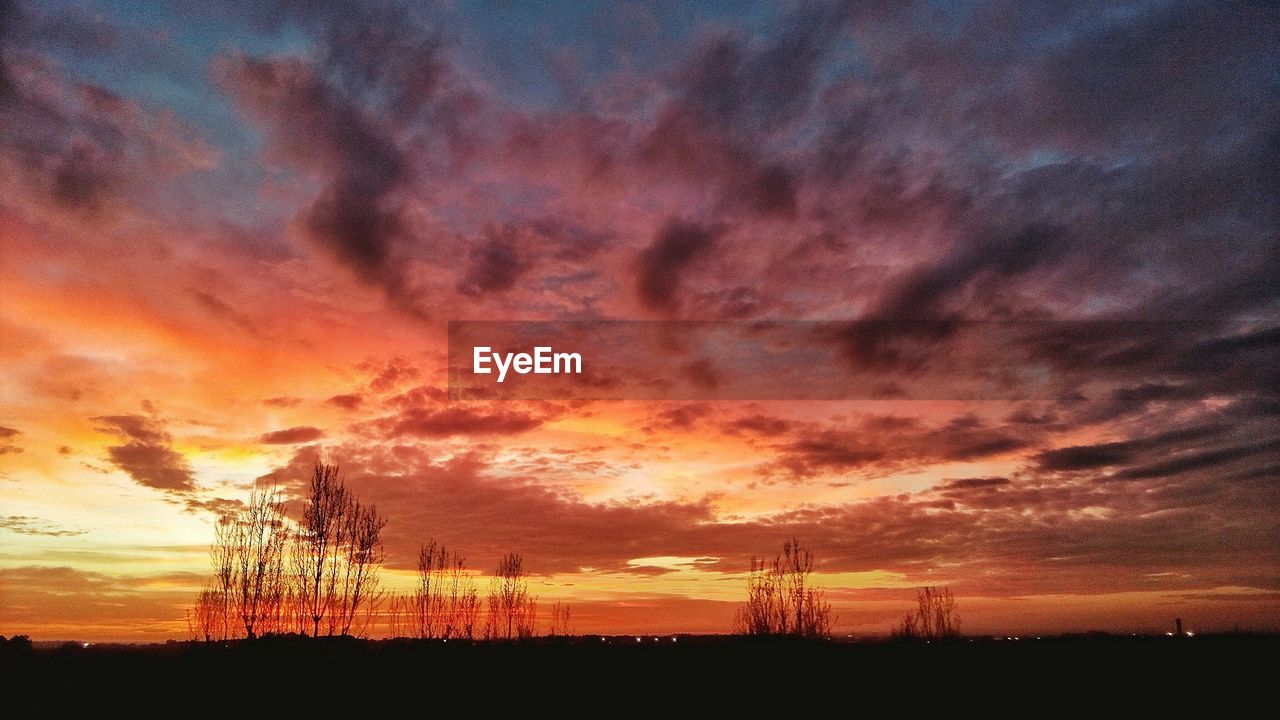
(27, 525)
(7, 435)
(376, 104)
(990, 254)
(1085, 457)
(731, 97)
(495, 264)
(1196, 461)
(883, 443)
(218, 507)
(314, 125)
(679, 418)
(772, 192)
(10, 16)
(1099, 455)
(762, 425)
(455, 420)
(967, 484)
(349, 401)
(701, 373)
(674, 249)
(83, 176)
(147, 455)
(830, 453)
(292, 436)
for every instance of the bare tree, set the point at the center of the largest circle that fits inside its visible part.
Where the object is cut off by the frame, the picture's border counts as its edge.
(222, 558)
(361, 558)
(247, 555)
(934, 618)
(512, 611)
(206, 620)
(337, 557)
(445, 602)
(427, 601)
(258, 558)
(464, 600)
(779, 599)
(399, 607)
(560, 626)
(316, 556)
(267, 578)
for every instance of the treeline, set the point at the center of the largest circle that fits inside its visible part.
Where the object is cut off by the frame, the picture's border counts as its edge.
(320, 575)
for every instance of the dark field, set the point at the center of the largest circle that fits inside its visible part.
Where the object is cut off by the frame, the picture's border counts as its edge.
(1219, 673)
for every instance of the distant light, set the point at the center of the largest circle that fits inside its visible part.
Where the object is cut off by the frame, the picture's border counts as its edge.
(637, 639)
(84, 645)
(1169, 634)
(673, 639)
(1189, 634)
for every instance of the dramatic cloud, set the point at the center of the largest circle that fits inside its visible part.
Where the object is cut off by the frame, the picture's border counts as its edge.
(1044, 240)
(676, 246)
(495, 265)
(147, 454)
(421, 422)
(313, 123)
(292, 436)
(880, 443)
(346, 401)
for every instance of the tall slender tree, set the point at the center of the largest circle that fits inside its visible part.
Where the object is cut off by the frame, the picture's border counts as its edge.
(512, 611)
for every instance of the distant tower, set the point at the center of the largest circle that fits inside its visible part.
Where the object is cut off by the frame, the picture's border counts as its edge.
(1177, 624)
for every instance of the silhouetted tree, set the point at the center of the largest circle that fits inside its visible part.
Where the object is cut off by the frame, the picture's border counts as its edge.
(934, 618)
(315, 559)
(269, 578)
(206, 620)
(779, 599)
(247, 556)
(445, 602)
(560, 626)
(222, 558)
(512, 611)
(356, 598)
(464, 600)
(258, 558)
(337, 557)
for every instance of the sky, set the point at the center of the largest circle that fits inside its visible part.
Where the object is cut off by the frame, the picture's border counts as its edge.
(232, 236)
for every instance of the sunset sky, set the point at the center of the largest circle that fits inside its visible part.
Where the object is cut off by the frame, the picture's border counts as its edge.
(232, 235)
